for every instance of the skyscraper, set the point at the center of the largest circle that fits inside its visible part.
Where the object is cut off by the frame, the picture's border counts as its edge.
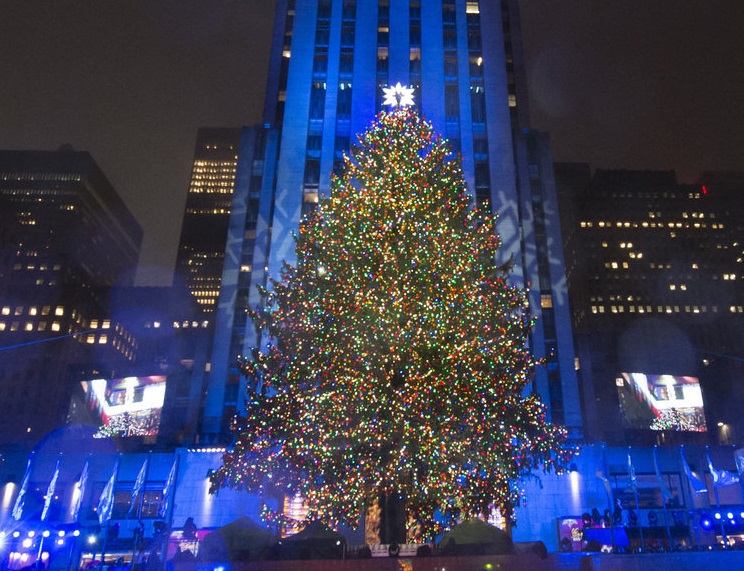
(331, 60)
(204, 228)
(71, 237)
(655, 280)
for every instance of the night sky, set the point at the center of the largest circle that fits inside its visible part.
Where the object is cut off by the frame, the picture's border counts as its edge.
(648, 84)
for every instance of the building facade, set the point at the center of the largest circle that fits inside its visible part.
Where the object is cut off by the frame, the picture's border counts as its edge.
(330, 61)
(201, 247)
(70, 238)
(562, 511)
(654, 271)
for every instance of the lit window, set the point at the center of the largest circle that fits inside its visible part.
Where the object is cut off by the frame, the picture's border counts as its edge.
(106, 324)
(546, 301)
(156, 325)
(55, 326)
(6, 310)
(94, 324)
(32, 310)
(103, 339)
(472, 8)
(45, 310)
(90, 338)
(2, 326)
(59, 311)
(18, 310)
(14, 326)
(29, 326)
(42, 326)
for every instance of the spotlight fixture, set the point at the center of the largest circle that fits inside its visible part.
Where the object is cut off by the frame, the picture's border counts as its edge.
(706, 522)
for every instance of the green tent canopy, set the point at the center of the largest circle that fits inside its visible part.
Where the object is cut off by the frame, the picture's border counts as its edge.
(240, 540)
(476, 537)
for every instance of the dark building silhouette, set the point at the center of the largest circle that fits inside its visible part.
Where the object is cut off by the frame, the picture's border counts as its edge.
(70, 237)
(655, 276)
(201, 248)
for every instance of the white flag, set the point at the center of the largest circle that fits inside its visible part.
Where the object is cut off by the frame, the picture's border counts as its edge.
(739, 459)
(106, 503)
(139, 485)
(79, 493)
(602, 475)
(665, 493)
(170, 485)
(21, 499)
(631, 473)
(721, 478)
(50, 490)
(698, 486)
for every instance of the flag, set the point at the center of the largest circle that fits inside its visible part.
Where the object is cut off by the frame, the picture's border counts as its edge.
(106, 502)
(600, 472)
(50, 490)
(665, 493)
(21, 499)
(739, 459)
(170, 484)
(698, 486)
(139, 485)
(721, 478)
(77, 498)
(631, 473)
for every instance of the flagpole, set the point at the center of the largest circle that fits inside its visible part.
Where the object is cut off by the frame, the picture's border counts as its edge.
(608, 490)
(108, 517)
(165, 542)
(172, 501)
(634, 485)
(690, 495)
(144, 487)
(715, 494)
(665, 494)
(139, 531)
(76, 507)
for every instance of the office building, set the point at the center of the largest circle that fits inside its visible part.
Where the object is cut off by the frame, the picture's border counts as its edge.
(69, 238)
(202, 245)
(330, 61)
(655, 275)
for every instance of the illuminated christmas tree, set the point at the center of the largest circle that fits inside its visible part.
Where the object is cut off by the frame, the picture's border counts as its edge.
(399, 362)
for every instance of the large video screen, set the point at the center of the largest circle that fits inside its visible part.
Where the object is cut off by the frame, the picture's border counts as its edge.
(661, 402)
(125, 407)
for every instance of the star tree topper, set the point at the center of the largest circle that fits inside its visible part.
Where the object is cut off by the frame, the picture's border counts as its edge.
(398, 96)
